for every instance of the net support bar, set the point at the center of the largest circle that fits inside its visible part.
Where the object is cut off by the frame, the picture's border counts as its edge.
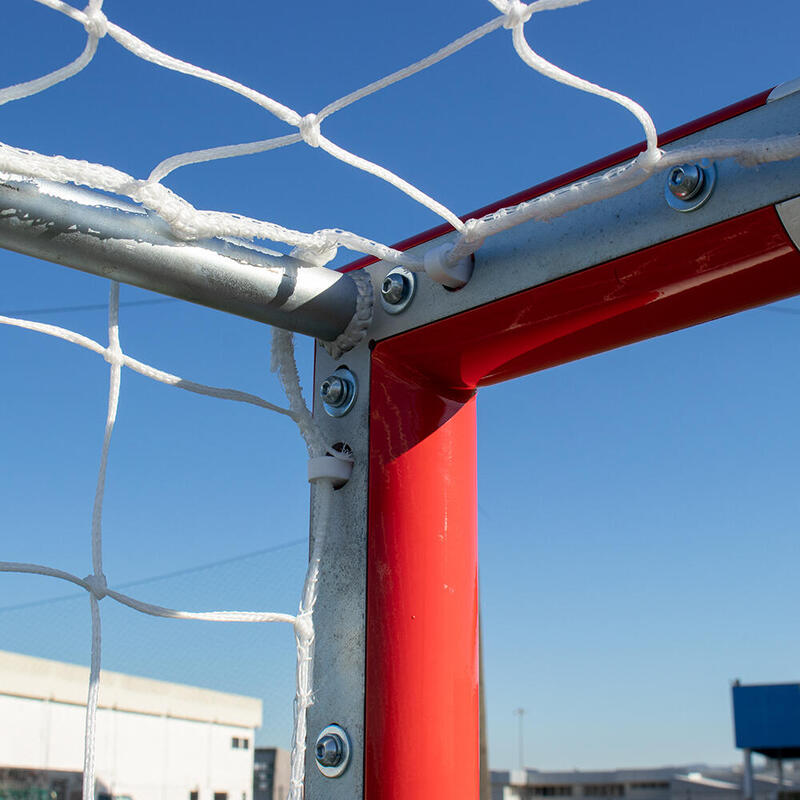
(115, 239)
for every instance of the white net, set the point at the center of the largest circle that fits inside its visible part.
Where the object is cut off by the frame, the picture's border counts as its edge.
(319, 247)
(316, 248)
(95, 582)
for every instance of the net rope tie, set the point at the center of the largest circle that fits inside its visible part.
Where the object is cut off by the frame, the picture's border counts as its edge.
(357, 328)
(96, 584)
(96, 23)
(515, 13)
(320, 246)
(309, 130)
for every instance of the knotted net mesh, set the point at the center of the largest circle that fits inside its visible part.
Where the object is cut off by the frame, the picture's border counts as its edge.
(95, 583)
(316, 248)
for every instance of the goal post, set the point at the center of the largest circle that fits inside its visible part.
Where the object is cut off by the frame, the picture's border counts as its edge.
(700, 222)
(604, 276)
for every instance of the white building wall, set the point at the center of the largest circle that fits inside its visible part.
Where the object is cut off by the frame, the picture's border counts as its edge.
(161, 758)
(27, 734)
(142, 756)
(180, 741)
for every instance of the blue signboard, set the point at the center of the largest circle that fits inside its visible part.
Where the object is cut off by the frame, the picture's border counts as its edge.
(767, 718)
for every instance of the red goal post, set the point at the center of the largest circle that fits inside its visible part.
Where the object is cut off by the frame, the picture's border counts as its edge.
(601, 277)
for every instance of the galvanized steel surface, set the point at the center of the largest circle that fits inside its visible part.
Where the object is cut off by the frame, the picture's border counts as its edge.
(118, 240)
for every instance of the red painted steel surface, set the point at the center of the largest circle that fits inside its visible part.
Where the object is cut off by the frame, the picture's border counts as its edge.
(422, 616)
(728, 267)
(607, 162)
(422, 737)
(422, 592)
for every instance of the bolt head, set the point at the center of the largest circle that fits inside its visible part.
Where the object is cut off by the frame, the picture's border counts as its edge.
(333, 391)
(685, 181)
(339, 392)
(330, 750)
(394, 288)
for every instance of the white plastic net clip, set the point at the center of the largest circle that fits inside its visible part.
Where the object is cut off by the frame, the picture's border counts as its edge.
(336, 469)
(450, 273)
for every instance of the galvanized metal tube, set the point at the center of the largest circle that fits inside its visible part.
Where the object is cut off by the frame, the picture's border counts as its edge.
(115, 239)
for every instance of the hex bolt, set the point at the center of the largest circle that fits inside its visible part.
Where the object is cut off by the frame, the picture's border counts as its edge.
(333, 391)
(397, 290)
(338, 392)
(394, 288)
(333, 751)
(685, 181)
(330, 750)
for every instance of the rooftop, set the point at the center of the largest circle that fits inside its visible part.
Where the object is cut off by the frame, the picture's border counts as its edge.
(59, 682)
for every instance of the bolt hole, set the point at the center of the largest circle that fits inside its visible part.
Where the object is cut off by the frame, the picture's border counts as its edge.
(345, 450)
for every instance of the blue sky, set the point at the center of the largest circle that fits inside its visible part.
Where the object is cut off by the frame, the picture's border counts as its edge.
(637, 510)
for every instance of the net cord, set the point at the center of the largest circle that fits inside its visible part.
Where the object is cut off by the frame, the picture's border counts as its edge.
(283, 362)
(318, 247)
(187, 222)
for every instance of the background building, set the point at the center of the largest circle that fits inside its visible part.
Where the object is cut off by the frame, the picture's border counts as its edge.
(687, 782)
(155, 740)
(271, 773)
